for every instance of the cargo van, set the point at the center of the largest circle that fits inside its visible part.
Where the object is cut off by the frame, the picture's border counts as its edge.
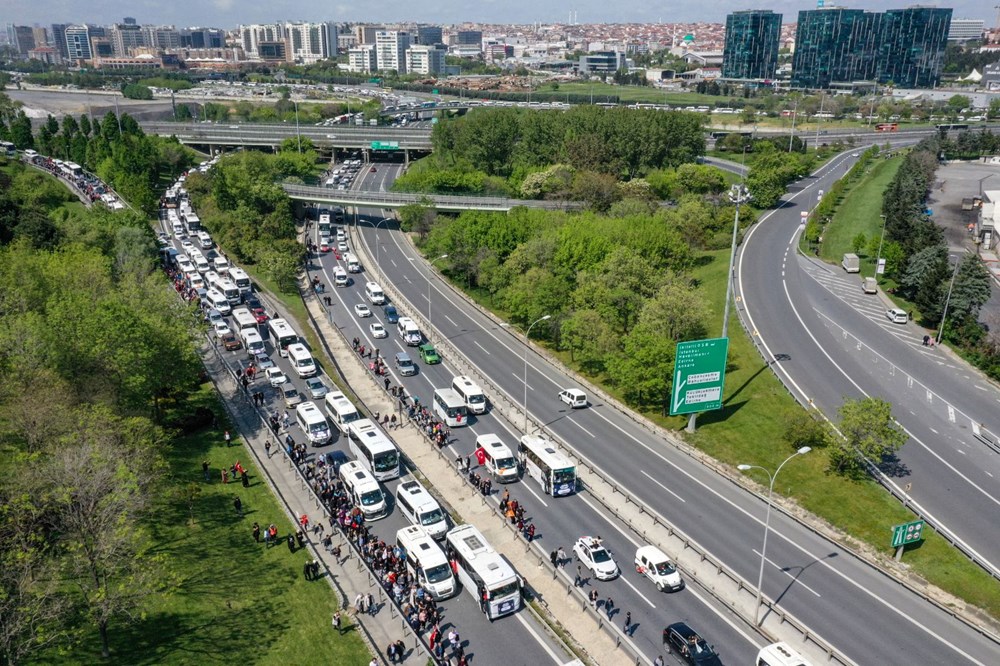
(375, 293)
(473, 396)
(869, 285)
(497, 458)
(427, 562)
(851, 263)
(420, 508)
(363, 490)
(302, 360)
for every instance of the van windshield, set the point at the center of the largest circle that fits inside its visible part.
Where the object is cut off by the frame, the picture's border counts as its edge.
(477, 399)
(503, 464)
(438, 574)
(432, 517)
(371, 497)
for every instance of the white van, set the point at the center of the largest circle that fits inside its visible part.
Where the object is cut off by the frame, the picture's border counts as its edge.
(363, 490)
(221, 265)
(201, 263)
(409, 332)
(178, 228)
(427, 562)
(205, 240)
(253, 342)
(497, 458)
(375, 293)
(340, 277)
(240, 279)
(341, 410)
(470, 392)
(195, 281)
(218, 300)
(353, 265)
(301, 360)
(231, 291)
(312, 423)
(245, 320)
(420, 508)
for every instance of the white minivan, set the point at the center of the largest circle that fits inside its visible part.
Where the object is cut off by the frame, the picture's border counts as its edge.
(218, 300)
(375, 293)
(363, 490)
(497, 458)
(470, 392)
(420, 508)
(427, 562)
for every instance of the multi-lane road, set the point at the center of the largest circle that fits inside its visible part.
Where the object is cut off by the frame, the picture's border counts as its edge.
(865, 613)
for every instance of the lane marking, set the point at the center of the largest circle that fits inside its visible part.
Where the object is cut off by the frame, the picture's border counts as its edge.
(663, 486)
(485, 350)
(580, 427)
(784, 570)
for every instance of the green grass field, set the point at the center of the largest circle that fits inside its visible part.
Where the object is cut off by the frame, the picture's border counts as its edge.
(858, 212)
(235, 601)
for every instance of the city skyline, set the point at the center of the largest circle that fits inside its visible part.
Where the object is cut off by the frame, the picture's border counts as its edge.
(229, 13)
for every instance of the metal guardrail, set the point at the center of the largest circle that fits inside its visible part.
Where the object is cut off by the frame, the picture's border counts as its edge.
(510, 408)
(441, 201)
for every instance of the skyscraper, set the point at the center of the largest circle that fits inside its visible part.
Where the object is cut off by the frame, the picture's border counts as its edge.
(751, 50)
(390, 50)
(912, 44)
(78, 42)
(59, 37)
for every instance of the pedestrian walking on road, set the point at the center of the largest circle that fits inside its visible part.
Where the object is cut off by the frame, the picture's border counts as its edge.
(561, 556)
(627, 628)
(658, 661)
(205, 470)
(239, 507)
(267, 448)
(370, 604)
(554, 558)
(609, 606)
(593, 599)
(578, 580)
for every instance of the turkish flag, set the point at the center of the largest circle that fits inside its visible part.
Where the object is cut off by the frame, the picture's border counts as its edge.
(481, 456)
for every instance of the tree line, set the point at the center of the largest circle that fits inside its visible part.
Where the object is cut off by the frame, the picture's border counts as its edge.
(97, 344)
(497, 150)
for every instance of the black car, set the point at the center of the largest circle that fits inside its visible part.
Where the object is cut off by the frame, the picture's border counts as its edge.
(689, 645)
(391, 316)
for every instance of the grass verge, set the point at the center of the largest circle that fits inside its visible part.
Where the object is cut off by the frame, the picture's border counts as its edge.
(235, 601)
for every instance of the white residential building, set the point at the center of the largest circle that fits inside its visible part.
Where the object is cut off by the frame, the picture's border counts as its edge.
(310, 42)
(425, 59)
(252, 35)
(362, 59)
(390, 50)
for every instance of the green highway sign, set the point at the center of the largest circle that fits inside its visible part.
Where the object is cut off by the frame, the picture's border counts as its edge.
(699, 374)
(385, 145)
(907, 533)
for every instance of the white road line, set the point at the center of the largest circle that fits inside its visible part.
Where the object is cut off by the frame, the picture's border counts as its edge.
(527, 486)
(482, 347)
(555, 658)
(580, 427)
(642, 596)
(451, 320)
(604, 514)
(784, 571)
(663, 486)
(520, 378)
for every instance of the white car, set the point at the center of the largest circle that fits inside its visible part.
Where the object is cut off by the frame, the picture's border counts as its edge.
(653, 563)
(264, 362)
(221, 329)
(342, 246)
(897, 316)
(575, 398)
(378, 330)
(593, 555)
(362, 310)
(275, 377)
(187, 244)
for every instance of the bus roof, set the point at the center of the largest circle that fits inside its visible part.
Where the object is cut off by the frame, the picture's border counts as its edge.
(339, 401)
(474, 549)
(546, 451)
(365, 432)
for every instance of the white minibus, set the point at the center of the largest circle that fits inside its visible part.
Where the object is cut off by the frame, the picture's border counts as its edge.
(253, 342)
(780, 654)
(340, 410)
(244, 319)
(221, 265)
(353, 265)
(497, 458)
(218, 300)
(232, 292)
(205, 240)
(240, 279)
(375, 293)
(340, 277)
(281, 335)
(201, 263)
(427, 562)
(420, 508)
(483, 572)
(473, 396)
(450, 407)
(313, 425)
(363, 490)
(371, 448)
(543, 462)
(302, 360)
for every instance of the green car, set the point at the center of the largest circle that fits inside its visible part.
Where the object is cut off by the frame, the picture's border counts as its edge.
(429, 354)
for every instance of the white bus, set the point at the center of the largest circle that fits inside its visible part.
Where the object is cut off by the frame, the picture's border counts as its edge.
(470, 392)
(353, 265)
(282, 335)
(340, 410)
(373, 450)
(544, 463)
(231, 291)
(364, 490)
(313, 425)
(780, 654)
(481, 569)
(244, 319)
(302, 360)
(427, 562)
(240, 279)
(497, 458)
(450, 407)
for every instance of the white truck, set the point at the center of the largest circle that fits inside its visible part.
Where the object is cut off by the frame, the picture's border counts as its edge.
(851, 263)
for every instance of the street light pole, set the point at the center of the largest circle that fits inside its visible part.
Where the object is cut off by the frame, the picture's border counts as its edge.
(947, 300)
(878, 257)
(767, 521)
(527, 338)
(298, 135)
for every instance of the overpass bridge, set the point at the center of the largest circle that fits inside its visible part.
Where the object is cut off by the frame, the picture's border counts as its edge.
(449, 202)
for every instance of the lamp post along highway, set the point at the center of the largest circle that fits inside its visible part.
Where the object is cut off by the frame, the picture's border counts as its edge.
(878, 257)
(298, 134)
(527, 338)
(739, 195)
(947, 300)
(767, 521)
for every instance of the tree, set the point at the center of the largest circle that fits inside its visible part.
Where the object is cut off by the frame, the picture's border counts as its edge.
(589, 339)
(870, 434)
(927, 267)
(971, 289)
(418, 217)
(804, 429)
(994, 110)
(958, 102)
(20, 132)
(858, 242)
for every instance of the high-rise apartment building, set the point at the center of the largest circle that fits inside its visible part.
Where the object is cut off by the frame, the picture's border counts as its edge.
(124, 37)
(24, 39)
(366, 33)
(425, 59)
(162, 36)
(429, 35)
(964, 30)
(252, 35)
(751, 47)
(78, 42)
(362, 59)
(311, 42)
(58, 33)
(390, 50)
(904, 47)
(202, 38)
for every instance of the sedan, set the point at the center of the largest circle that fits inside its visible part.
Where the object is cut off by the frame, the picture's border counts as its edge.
(221, 328)
(317, 389)
(362, 310)
(342, 246)
(689, 645)
(264, 362)
(373, 170)
(290, 395)
(593, 555)
(257, 309)
(231, 342)
(275, 377)
(324, 244)
(378, 330)
(187, 244)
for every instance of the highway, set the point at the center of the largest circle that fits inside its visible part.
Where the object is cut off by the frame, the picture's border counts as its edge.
(446, 202)
(559, 521)
(831, 342)
(842, 598)
(259, 134)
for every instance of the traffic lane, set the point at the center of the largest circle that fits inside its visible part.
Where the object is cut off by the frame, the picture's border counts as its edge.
(555, 517)
(862, 578)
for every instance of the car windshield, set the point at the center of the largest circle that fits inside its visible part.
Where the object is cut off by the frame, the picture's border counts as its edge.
(371, 497)
(431, 517)
(438, 574)
(600, 555)
(664, 569)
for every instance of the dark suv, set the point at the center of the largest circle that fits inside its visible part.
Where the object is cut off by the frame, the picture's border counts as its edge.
(689, 645)
(391, 316)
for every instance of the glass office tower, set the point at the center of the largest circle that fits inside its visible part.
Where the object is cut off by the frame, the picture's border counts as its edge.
(751, 50)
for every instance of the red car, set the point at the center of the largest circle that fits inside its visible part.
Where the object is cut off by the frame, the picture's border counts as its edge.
(324, 244)
(374, 170)
(257, 309)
